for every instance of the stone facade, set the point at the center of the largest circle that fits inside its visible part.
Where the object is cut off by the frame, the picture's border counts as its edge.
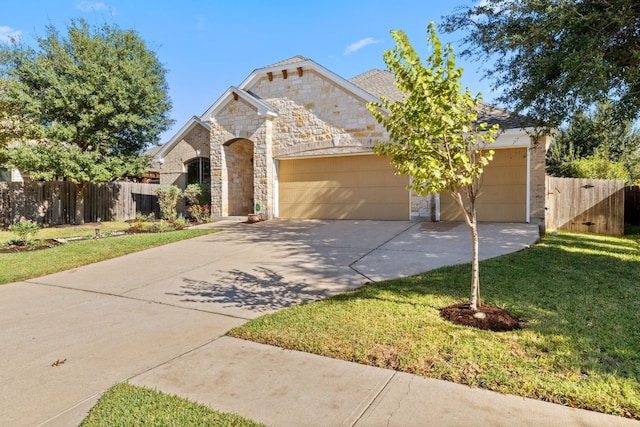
(422, 207)
(295, 109)
(315, 117)
(173, 167)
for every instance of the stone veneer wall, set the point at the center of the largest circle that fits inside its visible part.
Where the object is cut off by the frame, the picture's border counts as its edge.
(316, 117)
(422, 206)
(537, 153)
(239, 120)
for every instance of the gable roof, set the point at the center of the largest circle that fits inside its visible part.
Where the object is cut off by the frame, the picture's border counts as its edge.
(298, 64)
(382, 83)
(369, 86)
(378, 83)
(293, 60)
(167, 146)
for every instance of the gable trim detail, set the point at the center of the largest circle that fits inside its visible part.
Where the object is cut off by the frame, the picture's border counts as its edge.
(167, 147)
(235, 93)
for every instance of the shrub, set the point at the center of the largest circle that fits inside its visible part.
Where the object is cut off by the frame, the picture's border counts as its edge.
(25, 228)
(162, 226)
(194, 193)
(179, 223)
(599, 166)
(140, 217)
(199, 212)
(197, 196)
(168, 199)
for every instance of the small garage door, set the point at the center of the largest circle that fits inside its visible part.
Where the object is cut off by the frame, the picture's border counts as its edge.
(503, 194)
(352, 187)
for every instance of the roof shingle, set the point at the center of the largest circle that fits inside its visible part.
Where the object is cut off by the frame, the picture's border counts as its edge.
(382, 83)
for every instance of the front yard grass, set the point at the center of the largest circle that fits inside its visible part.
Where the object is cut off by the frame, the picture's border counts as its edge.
(19, 266)
(580, 295)
(128, 405)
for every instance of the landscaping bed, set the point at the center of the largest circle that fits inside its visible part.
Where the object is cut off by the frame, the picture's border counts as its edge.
(20, 246)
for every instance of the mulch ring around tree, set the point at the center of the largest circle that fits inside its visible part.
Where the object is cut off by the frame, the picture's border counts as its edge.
(495, 319)
(34, 245)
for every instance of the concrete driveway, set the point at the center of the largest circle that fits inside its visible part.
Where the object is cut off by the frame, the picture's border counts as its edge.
(67, 337)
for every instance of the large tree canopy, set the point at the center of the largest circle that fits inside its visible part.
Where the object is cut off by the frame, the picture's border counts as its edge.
(82, 107)
(596, 144)
(100, 89)
(553, 58)
(435, 136)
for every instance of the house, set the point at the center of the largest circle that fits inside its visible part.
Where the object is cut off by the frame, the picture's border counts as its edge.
(294, 140)
(10, 175)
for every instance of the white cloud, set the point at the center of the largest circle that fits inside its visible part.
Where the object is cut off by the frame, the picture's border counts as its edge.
(91, 6)
(354, 47)
(7, 34)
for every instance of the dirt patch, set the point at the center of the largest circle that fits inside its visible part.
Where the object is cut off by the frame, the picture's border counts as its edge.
(383, 356)
(495, 319)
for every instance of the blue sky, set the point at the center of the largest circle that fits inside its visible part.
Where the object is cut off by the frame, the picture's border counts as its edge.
(207, 46)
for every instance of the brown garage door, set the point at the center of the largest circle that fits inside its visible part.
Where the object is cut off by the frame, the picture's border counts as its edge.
(351, 187)
(503, 194)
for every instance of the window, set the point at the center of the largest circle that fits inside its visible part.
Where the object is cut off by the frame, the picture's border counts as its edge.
(5, 175)
(199, 172)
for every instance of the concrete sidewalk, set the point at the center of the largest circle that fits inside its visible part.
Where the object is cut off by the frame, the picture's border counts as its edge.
(289, 388)
(158, 318)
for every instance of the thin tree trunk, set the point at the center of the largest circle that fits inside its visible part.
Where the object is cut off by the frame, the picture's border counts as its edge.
(475, 267)
(79, 214)
(471, 221)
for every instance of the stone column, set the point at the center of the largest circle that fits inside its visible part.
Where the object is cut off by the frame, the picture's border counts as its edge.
(263, 169)
(537, 155)
(218, 171)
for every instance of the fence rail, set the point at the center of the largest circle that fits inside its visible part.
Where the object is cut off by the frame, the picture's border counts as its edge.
(55, 202)
(585, 205)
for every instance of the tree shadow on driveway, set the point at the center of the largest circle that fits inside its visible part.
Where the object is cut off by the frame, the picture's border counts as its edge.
(262, 290)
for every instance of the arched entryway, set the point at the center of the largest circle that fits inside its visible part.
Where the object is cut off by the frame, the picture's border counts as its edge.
(239, 162)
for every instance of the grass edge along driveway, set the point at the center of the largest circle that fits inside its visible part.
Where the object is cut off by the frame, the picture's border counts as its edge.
(15, 267)
(579, 293)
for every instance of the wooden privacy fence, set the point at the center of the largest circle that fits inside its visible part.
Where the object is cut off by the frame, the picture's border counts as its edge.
(632, 205)
(585, 205)
(55, 202)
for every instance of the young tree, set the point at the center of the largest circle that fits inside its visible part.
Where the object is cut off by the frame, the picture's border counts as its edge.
(433, 130)
(83, 107)
(554, 58)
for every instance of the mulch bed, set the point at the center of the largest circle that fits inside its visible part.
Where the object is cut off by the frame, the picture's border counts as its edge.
(495, 319)
(36, 245)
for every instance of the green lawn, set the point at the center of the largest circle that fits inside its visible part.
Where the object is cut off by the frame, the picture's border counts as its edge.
(26, 265)
(580, 295)
(128, 405)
